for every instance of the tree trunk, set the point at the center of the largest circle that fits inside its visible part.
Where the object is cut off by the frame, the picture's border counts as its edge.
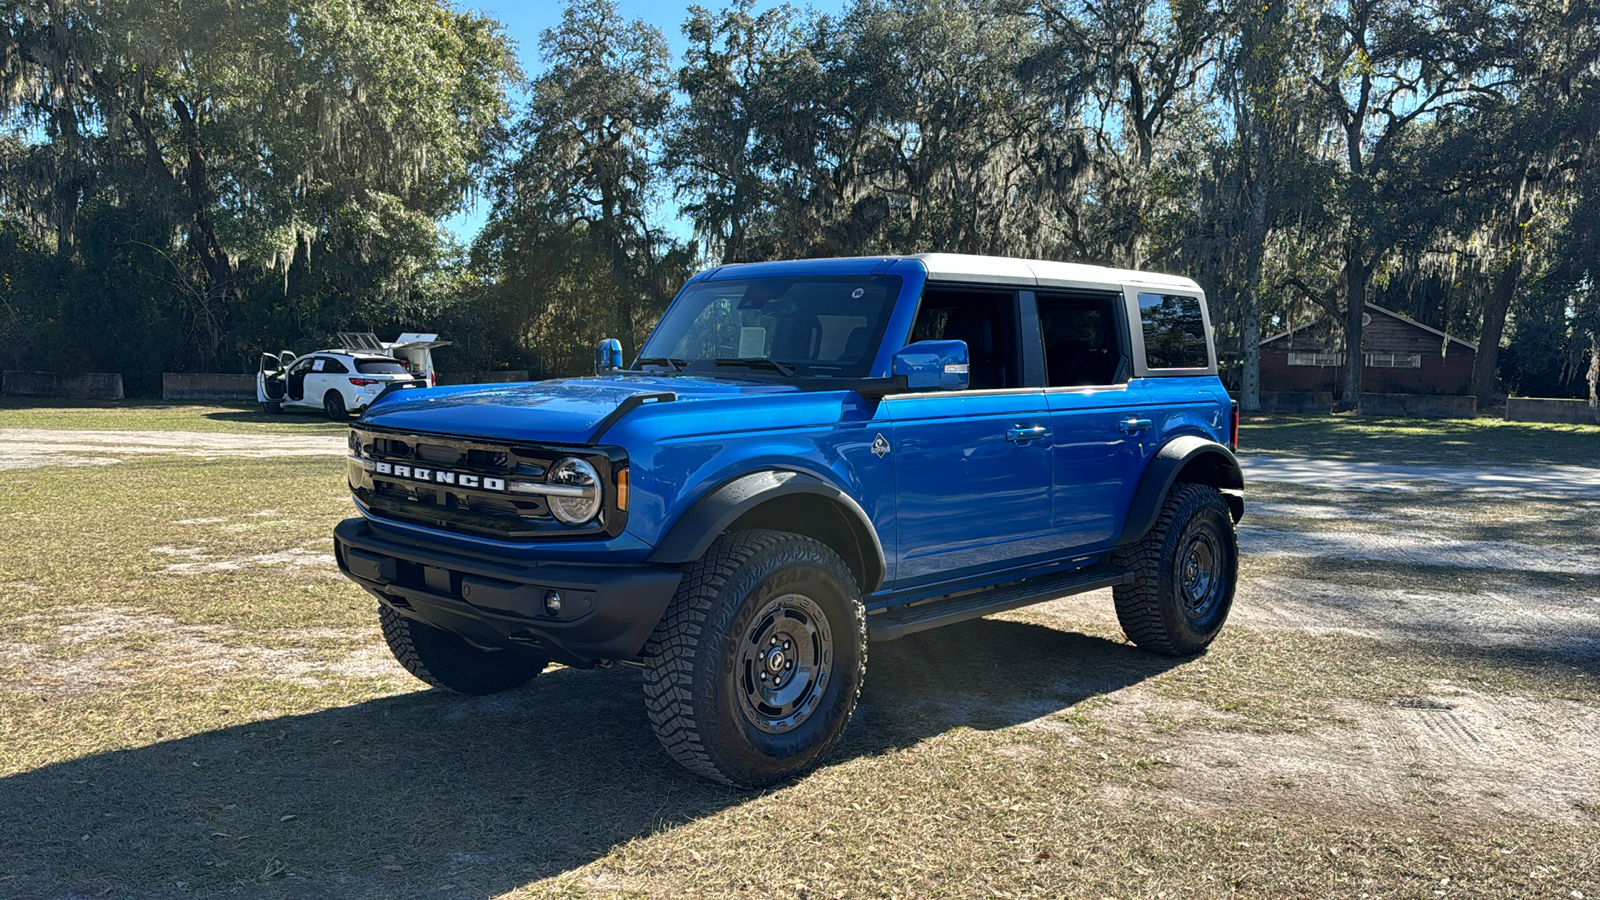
(1250, 296)
(1356, 306)
(1262, 67)
(1594, 375)
(1484, 383)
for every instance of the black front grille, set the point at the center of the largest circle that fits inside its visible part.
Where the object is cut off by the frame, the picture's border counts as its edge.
(463, 485)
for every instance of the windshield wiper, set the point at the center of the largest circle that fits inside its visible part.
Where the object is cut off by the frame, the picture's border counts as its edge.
(676, 364)
(759, 362)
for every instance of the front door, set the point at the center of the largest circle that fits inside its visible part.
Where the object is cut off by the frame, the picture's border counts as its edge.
(972, 480)
(972, 468)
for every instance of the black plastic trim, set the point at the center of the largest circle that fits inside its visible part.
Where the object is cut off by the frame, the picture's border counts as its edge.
(608, 610)
(628, 405)
(689, 538)
(899, 621)
(1163, 472)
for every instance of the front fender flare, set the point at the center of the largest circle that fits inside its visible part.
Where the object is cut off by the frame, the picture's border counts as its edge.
(691, 535)
(1185, 458)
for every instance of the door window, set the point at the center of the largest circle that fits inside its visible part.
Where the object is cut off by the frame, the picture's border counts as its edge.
(1082, 341)
(1174, 332)
(986, 321)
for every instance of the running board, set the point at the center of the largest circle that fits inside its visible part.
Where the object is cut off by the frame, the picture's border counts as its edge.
(899, 621)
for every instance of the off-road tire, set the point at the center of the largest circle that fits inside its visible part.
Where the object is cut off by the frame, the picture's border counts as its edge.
(333, 405)
(446, 661)
(1157, 610)
(697, 683)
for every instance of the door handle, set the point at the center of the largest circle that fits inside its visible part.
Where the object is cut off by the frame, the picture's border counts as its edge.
(1021, 434)
(1134, 424)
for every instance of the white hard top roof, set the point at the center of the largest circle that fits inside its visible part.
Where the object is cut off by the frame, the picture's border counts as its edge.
(1041, 273)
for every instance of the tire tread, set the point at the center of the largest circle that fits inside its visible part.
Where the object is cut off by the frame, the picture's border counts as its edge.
(697, 610)
(1140, 604)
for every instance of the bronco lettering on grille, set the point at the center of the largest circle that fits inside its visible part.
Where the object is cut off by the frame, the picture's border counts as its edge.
(439, 476)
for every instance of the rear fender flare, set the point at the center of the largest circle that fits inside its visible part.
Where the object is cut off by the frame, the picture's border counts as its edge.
(750, 497)
(1183, 459)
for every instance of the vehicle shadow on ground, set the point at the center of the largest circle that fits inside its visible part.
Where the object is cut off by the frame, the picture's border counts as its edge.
(430, 794)
(295, 420)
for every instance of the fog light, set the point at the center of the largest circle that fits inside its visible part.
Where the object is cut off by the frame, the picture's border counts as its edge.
(552, 602)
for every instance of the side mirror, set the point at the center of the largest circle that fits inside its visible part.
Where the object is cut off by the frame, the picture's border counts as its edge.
(607, 356)
(933, 366)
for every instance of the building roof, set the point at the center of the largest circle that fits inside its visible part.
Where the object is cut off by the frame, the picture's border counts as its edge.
(1391, 313)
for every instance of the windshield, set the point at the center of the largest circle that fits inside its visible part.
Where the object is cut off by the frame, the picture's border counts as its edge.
(808, 325)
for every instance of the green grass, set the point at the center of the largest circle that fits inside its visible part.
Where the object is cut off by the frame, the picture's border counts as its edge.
(154, 415)
(242, 732)
(1464, 442)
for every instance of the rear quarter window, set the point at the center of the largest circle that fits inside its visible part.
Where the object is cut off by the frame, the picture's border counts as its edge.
(379, 367)
(1174, 332)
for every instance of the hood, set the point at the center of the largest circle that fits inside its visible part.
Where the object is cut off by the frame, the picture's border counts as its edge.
(560, 411)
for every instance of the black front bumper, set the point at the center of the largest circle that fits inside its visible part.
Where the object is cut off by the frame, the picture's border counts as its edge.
(606, 612)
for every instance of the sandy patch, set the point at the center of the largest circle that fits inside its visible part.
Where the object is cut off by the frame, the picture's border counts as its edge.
(1485, 755)
(1419, 549)
(1531, 481)
(199, 561)
(200, 655)
(33, 447)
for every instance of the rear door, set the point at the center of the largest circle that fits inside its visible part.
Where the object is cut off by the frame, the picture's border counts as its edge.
(972, 468)
(326, 373)
(1100, 415)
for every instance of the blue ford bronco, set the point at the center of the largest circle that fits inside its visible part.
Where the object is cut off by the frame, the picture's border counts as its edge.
(807, 457)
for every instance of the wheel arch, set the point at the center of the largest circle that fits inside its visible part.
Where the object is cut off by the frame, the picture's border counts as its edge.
(782, 501)
(1186, 459)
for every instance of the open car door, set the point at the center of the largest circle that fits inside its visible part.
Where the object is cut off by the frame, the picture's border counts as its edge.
(270, 380)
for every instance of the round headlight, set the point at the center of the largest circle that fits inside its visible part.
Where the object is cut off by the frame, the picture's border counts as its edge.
(578, 506)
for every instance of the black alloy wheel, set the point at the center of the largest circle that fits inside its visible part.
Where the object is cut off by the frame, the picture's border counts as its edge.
(785, 664)
(333, 405)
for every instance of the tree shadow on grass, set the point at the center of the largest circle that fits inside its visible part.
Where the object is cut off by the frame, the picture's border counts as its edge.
(431, 794)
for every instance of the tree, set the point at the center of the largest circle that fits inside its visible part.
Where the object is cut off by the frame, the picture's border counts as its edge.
(571, 233)
(1383, 67)
(253, 132)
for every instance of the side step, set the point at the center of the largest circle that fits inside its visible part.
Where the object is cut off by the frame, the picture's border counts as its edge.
(899, 621)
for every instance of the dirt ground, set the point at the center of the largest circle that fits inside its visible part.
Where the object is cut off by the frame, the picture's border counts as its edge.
(1408, 679)
(31, 447)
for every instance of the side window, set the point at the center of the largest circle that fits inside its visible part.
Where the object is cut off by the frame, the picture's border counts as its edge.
(1082, 340)
(1174, 332)
(986, 320)
(334, 367)
(300, 367)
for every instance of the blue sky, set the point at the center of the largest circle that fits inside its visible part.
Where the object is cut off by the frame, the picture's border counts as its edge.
(525, 21)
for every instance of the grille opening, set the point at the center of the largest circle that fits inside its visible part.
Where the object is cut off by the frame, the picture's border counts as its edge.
(440, 455)
(488, 459)
(390, 447)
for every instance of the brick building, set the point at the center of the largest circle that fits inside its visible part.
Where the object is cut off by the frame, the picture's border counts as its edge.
(1403, 356)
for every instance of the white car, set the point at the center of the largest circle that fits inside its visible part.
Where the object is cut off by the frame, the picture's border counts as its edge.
(337, 382)
(345, 381)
